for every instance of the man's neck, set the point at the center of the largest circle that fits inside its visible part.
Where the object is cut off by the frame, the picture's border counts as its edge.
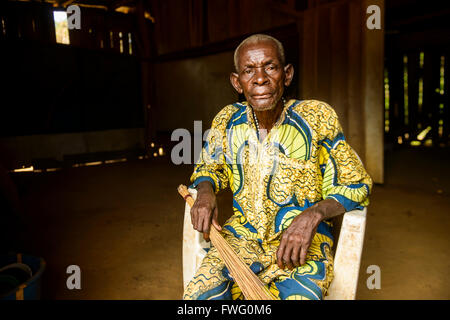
(268, 118)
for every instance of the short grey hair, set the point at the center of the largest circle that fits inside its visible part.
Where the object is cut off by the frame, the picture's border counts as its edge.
(255, 39)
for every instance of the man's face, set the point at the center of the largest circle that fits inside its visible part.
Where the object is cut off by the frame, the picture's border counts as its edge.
(261, 77)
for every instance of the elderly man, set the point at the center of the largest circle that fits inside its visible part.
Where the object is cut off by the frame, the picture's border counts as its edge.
(290, 170)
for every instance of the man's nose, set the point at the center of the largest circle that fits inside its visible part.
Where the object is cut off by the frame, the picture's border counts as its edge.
(260, 77)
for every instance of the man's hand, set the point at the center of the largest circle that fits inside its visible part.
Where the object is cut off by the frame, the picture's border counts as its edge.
(205, 211)
(297, 238)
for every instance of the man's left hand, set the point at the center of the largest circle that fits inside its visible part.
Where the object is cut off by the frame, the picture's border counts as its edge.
(297, 238)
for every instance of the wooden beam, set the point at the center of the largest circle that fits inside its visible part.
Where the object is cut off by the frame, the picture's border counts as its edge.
(145, 53)
(67, 3)
(372, 88)
(119, 3)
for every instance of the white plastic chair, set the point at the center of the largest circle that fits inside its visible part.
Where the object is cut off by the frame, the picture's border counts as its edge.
(347, 258)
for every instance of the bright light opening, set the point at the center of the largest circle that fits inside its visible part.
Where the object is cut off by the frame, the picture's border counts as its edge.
(3, 27)
(423, 134)
(61, 29)
(405, 90)
(441, 92)
(130, 44)
(120, 42)
(24, 169)
(420, 99)
(386, 101)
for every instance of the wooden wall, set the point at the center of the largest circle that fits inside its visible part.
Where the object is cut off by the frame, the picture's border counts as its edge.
(51, 90)
(184, 24)
(194, 84)
(336, 58)
(339, 60)
(342, 64)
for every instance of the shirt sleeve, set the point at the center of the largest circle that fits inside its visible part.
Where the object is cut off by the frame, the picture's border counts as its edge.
(344, 177)
(212, 165)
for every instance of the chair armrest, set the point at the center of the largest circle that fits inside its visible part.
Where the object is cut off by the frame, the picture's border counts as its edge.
(193, 245)
(347, 259)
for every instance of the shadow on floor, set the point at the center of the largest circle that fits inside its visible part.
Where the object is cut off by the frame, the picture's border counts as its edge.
(122, 225)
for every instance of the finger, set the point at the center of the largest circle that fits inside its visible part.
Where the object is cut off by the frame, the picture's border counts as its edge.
(280, 253)
(198, 221)
(202, 215)
(206, 236)
(194, 216)
(295, 256)
(303, 252)
(214, 220)
(206, 225)
(287, 255)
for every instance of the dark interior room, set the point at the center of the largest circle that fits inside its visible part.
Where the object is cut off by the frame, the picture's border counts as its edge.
(95, 91)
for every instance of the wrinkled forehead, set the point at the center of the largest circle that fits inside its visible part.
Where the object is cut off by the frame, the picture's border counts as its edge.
(259, 52)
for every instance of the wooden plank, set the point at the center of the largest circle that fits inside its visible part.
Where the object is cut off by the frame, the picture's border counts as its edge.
(25, 22)
(307, 70)
(355, 134)
(11, 21)
(446, 117)
(233, 18)
(372, 71)
(195, 22)
(339, 62)
(430, 97)
(395, 69)
(323, 65)
(147, 74)
(226, 45)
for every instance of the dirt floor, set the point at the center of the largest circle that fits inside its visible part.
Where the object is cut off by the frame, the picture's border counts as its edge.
(122, 225)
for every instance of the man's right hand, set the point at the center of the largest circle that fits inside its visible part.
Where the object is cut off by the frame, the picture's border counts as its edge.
(204, 211)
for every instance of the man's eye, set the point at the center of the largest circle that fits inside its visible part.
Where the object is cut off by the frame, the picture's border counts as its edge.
(248, 71)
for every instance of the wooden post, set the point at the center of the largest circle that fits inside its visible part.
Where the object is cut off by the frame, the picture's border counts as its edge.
(372, 79)
(446, 117)
(145, 55)
(354, 133)
(430, 104)
(339, 24)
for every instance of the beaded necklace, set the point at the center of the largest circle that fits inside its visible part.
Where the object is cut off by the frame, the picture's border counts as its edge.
(256, 119)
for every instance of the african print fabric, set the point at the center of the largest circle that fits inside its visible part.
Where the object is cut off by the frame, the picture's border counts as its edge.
(302, 160)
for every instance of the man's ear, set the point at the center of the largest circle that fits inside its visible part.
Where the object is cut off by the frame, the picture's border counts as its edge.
(289, 74)
(234, 79)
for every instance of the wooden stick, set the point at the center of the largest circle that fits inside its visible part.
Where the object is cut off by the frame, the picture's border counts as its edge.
(252, 288)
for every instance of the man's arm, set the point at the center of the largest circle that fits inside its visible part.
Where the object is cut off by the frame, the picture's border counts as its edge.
(296, 239)
(211, 174)
(346, 186)
(205, 211)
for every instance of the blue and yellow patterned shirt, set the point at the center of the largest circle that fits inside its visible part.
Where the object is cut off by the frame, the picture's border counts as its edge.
(303, 160)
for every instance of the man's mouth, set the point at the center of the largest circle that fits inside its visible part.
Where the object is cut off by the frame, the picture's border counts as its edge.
(262, 96)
